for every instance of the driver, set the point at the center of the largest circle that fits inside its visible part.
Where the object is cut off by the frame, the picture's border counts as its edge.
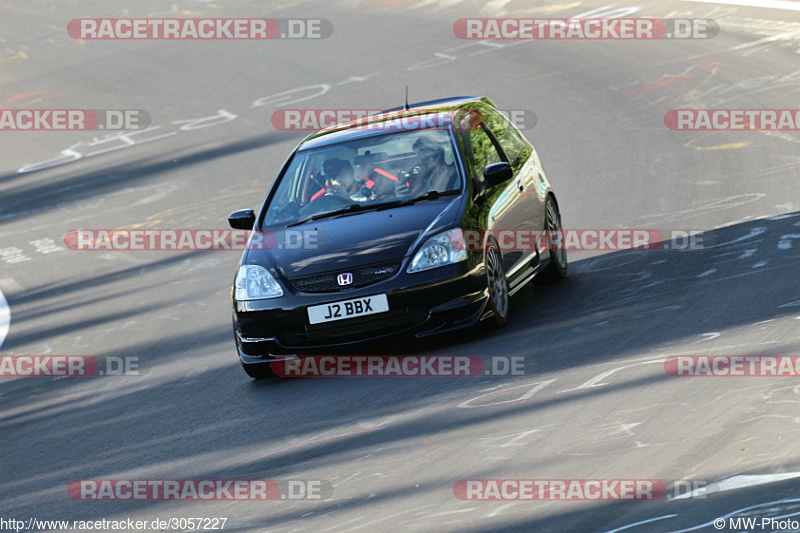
(341, 180)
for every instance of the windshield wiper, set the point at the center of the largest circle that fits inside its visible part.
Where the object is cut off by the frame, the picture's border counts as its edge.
(352, 208)
(430, 195)
(349, 209)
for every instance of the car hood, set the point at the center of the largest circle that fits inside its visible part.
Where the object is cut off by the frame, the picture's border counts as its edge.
(355, 240)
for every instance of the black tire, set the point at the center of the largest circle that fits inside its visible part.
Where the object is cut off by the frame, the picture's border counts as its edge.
(497, 285)
(556, 270)
(258, 370)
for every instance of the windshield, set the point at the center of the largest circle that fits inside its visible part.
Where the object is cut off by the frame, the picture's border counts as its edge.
(369, 172)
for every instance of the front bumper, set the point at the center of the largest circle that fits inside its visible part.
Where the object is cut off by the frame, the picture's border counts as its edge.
(427, 303)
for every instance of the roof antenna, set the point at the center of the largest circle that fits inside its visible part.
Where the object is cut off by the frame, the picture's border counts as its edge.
(407, 108)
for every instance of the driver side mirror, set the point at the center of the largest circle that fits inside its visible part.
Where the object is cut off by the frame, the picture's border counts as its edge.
(497, 173)
(242, 219)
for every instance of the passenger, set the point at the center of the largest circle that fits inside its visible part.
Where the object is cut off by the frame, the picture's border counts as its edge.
(435, 173)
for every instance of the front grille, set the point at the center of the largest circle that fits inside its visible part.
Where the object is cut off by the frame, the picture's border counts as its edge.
(362, 276)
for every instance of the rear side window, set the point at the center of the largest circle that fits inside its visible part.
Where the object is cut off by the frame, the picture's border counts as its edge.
(506, 134)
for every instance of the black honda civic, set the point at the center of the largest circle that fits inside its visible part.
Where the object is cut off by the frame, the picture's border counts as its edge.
(414, 221)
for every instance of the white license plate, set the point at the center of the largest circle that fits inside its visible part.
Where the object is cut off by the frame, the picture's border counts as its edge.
(368, 305)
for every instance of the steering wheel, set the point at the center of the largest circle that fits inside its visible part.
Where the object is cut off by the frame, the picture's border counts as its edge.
(328, 202)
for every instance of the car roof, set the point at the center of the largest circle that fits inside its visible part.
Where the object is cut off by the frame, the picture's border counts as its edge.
(358, 129)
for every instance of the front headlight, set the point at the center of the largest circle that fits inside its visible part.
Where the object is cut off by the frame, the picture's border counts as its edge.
(253, 282)
(443, 249)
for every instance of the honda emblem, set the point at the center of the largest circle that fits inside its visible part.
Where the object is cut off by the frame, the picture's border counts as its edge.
(344, 279)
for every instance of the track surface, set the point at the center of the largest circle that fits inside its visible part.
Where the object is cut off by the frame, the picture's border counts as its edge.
(393, 448)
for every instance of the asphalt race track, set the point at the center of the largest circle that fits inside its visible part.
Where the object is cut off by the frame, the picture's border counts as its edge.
(595, 403)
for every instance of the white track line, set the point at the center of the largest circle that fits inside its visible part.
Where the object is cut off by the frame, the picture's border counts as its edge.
(771, 4)
(5, 318)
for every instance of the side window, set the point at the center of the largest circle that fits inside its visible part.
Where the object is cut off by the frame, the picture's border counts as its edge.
(506, 134)
(484, 152)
